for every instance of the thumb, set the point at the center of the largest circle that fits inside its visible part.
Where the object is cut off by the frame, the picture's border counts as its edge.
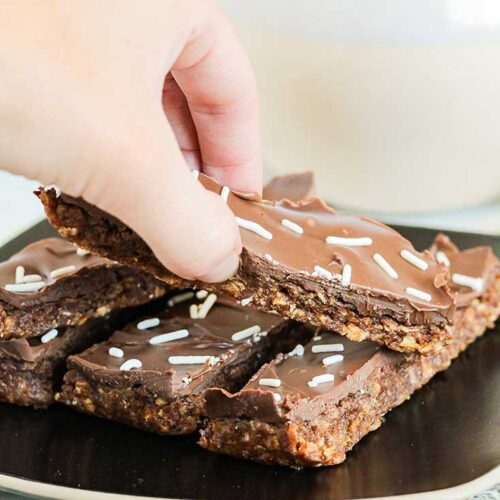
(191, 230)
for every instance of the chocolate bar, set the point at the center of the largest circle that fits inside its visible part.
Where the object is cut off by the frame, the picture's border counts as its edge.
(152, 374)
(311, 408)
(303, 261)
(53, 284)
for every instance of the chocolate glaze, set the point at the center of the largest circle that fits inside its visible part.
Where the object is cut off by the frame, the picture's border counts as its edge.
(31, 349)
(41, 258)
(371, 287)
(294, 187)
(300, 401)
(477, 262)
(208, 336)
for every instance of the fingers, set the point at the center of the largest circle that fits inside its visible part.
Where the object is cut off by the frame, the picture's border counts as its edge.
(178, 115)
(215, 75)
(149, 188)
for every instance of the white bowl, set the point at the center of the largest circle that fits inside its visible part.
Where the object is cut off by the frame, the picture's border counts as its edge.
(395, 104)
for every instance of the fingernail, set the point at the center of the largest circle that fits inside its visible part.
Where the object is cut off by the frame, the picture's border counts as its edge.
(223, 271)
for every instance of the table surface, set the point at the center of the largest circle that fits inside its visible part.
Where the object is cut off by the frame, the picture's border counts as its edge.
(446, 435)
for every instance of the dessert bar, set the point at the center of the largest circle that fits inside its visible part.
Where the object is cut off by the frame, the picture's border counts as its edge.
(310, 409)
(152, 373)
(52, 284)
(31, 369)
(303, 261)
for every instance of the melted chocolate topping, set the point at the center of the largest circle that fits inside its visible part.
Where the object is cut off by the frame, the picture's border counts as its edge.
(31, 349)
(296, 398)
(294, 187)
(210, 336)
(40, 258)
(372, 285)
(477, 262)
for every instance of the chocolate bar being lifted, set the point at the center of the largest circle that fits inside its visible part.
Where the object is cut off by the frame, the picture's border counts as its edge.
(304, 261)
(311, 408)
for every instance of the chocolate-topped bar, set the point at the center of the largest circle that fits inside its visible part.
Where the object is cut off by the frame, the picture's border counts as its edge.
(311, 408)
(52, 283)
(31, 369)
(152, 373)
(304, 261)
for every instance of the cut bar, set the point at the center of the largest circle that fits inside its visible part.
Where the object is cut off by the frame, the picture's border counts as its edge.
(332, 396)
(52, 284)
(31, 370)
(302, 261)
(152, 374)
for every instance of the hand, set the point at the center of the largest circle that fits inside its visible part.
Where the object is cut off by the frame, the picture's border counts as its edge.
(86, 89)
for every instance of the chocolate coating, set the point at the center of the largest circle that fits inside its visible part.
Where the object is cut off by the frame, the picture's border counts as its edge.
(374, 288)
(30, 350)
(293, 187)
(210, 336)
(300, 401)
(41, 258)
(477, 262)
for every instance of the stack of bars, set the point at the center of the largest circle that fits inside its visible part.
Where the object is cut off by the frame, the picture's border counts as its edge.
(330, 322)
(55, 300)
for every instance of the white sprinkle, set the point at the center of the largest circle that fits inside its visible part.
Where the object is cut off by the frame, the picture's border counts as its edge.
(316, 338)
(116, 352)
(25, 287)
(413, 259)
(320, 271)
(292, 226)
(385, 265)
(204, 308)
(31, 278)
(346, 275)
(277, 397)
(148, 323)
(201, 294)
(19, 274)
(245, 302)
(253, 226)
(270, 382)
(419, 294)
(180, 297)
(442, 258)
(81, 252)
(327, 348)
(247, 332)
(186, 381)
(349, 242)
(477, 284)
(192, 360)
(56, 273)
(193, 311)
(269, 257)
(50, 335)
(225, 193)
(297, 351)
(131, 364)
(196, 173)
(330, 360)
(168, 337)
(320, 379)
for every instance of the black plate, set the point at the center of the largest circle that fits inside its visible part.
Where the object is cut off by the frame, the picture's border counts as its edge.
(446, 435)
